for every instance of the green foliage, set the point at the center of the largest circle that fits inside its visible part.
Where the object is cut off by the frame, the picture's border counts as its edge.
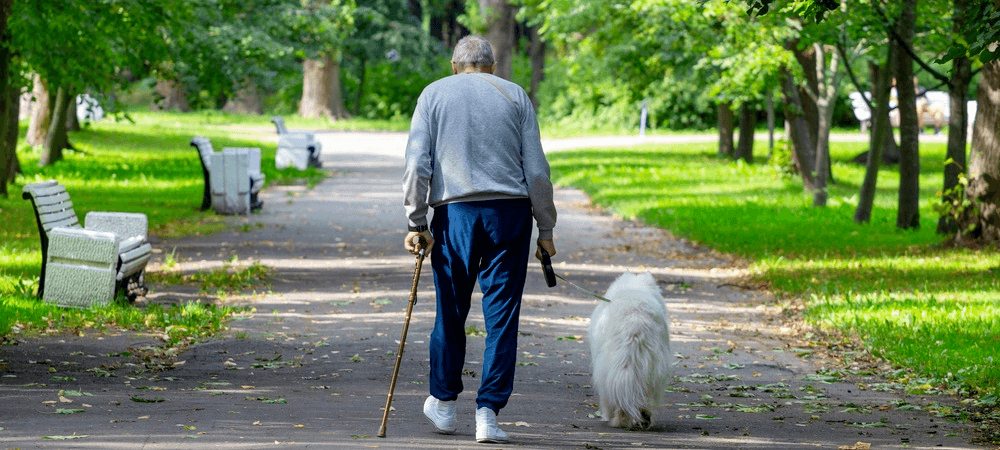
(217, 47)
(909, 300)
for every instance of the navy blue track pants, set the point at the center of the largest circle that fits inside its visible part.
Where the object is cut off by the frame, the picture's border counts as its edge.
(485, 241)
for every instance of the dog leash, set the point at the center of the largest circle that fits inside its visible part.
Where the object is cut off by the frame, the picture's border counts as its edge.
(551, 275)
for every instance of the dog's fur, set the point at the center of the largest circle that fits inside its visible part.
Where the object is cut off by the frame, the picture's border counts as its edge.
(630, 351)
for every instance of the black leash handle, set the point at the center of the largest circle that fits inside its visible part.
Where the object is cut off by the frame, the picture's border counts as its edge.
(550, 275)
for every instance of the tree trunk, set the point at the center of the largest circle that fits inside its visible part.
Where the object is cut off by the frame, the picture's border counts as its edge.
(537, 54)
(748, 122)
(247, 101)
(807, 60)
(498, 15)
(321, 96)
(803, 144)
(984, 159)
(57, 138)
(172, 97)
(72, 120)
(880, 137)
(726, 128)
(958, 121)
(10, 103)
(827, 85)
(908, 215)
(38, 127)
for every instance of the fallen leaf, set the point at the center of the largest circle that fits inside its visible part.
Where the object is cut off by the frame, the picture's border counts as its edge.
(64, 400)
(257, 422)
(143, 417)
(857, 446)
(247, 387)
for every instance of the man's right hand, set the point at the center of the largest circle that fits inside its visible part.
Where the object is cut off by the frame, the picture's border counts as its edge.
(547, 245)
(411, 244)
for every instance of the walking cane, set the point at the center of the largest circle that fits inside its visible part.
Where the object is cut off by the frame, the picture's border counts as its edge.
(402, 340)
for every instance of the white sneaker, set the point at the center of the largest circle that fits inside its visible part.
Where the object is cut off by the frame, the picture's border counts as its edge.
(441, 414)
(486, 428)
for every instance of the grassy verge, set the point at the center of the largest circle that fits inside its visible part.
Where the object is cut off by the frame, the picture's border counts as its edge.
(908, 299)
(143, 165)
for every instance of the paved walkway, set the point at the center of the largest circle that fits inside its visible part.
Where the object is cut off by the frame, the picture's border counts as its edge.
(310, 369)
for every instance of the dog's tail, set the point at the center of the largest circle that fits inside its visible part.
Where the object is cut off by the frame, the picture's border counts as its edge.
(633, 378)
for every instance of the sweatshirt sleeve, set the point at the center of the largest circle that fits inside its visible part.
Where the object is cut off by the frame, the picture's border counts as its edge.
(418, 167)
(536, 173)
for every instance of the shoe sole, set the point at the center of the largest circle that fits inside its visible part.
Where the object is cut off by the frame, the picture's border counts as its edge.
(441, 430)
(492, 441)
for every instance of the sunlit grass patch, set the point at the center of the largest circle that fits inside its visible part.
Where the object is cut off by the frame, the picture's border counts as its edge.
(231, 278)
(909, 300)
(175, 323)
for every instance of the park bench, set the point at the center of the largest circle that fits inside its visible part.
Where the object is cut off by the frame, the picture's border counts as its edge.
(87, 265)
(935, 111)
(233, 178)
(296, 148)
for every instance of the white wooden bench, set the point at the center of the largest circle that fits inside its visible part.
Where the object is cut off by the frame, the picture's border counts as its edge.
(300, 149)
(233, 178)
(85, 266)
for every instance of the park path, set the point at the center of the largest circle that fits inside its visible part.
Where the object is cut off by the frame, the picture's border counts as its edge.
(310, 369)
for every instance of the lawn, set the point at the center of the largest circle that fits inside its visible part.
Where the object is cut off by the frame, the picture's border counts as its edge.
(143, 166)
(909, 299)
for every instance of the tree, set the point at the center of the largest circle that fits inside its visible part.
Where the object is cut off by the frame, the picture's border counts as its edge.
(387, 33)
(908, 214)
(498, 17)
(9, 102)
(958, 88)
(983, 189)
(75, 45)
(321, 93)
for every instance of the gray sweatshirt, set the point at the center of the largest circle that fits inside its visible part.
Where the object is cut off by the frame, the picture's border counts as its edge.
(470, 141)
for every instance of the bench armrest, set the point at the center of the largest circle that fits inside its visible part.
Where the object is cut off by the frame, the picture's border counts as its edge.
(125, 225)
(296, 140)
(87, 247)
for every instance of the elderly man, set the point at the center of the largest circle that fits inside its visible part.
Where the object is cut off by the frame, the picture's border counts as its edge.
(474, 155)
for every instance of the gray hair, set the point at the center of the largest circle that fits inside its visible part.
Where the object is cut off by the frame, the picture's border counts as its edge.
(472, 51)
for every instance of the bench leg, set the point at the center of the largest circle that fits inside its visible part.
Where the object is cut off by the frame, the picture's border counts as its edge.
(132, 287)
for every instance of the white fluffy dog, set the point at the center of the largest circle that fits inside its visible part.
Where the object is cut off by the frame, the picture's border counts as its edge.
(630, 351)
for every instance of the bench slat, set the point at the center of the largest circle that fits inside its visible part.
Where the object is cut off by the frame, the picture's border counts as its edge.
(56, 207)
(69, 222)
(52, 199)
(134, 261)
(58, 216)
(49, 190)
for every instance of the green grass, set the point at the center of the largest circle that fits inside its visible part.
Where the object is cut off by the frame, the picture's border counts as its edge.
(908, 299)
(146, 165)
